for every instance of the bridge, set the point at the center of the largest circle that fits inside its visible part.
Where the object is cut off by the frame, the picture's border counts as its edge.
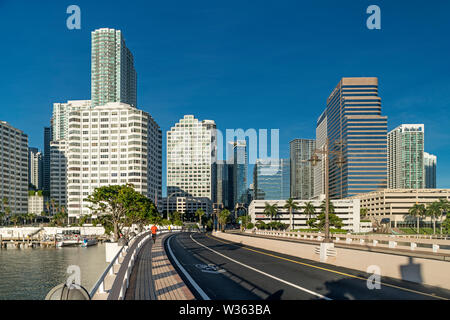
(243, 265)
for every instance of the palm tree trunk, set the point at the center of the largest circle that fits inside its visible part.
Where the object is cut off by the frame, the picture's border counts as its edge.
(418, 225)
(290, 214)
(434, 225)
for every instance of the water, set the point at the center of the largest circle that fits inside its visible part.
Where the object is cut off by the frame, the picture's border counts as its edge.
(30, 273)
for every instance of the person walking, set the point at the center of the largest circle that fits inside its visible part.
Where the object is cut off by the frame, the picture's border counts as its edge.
(154, 230)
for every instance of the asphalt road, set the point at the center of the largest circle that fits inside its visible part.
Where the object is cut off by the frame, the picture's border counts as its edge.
(221, 270)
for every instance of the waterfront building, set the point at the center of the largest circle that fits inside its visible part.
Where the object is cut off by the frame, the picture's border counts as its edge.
(13, 168)
(58, 172)
(405, 157)
(271, 179)
(60, 116)
(35, 169)
(302, 172)
(356, 127)
(394, 204)
(429, 167)
(46, 175)
(113, 77)
(239, 161)
(321, 144)
(113, 144)
(346, 209)
(36, 203)
(191, 154)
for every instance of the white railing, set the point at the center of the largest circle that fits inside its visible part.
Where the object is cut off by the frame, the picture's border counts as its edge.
(383, 241)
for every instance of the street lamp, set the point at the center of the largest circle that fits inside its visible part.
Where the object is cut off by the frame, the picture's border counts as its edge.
(340, 161)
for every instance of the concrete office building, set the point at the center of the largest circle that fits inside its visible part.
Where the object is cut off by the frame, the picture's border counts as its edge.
(35, 169)
(113, 144)
(394, 204)
(113, 77)
(346, 209)
(191, 154)
(405, 157)
(185, 205)
(60, 116)
(356, 127)
(302, 172)
(58, 172)
(271, 179)
(13, 168)
(36, 204)
(46, 168)
(429, 167)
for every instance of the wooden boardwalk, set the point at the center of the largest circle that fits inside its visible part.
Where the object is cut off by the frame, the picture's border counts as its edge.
(153, 276)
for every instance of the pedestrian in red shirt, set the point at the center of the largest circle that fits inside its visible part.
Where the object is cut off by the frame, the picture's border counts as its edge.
(154, 230)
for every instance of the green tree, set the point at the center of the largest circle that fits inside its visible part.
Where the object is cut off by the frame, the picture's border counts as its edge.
(15, 219)
(433, 211)
(444, 208)
(362, 213)
(245, 219)
(271, 210)
(291, 206)
(121, 205)
(309, 210)
(417, 211)
(224, 218)
(199, 213)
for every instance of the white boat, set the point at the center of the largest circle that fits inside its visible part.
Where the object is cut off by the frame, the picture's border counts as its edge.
(89, 242)
(67, 243)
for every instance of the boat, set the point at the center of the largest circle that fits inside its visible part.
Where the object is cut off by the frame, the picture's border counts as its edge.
(87, 242)
(67, 243)
(68, 238)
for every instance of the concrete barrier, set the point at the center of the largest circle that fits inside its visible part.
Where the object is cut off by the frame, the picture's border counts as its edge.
(419, 270)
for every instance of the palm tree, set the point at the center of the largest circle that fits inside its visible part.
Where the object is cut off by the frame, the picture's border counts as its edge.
(444, 207)
(224, 216)
(362, 213)
(417, 210)
(433, 210)
(271, 211)
(199, 213)
(14, 219)
(291, 205)
(309, 210)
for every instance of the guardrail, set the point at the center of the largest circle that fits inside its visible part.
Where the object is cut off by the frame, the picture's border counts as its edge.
(120, 278)
(383, 241)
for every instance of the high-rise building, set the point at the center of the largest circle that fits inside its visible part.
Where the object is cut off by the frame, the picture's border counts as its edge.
(239, 161)
(221, 170)
(47, 139)
(321, 144)
(113, 77)
(58, 172)
(191, 154)
(429, 168)
(112, 144)
(271, 179)
(60, 116)
(13, 168)
(35, 169)
(356, 127)
(302, 172)
(405, 157)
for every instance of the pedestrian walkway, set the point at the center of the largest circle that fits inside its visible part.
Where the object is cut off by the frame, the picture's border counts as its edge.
(153, 276)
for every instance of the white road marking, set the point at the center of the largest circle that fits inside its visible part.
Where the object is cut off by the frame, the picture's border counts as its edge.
(264, 273)
(189, 278)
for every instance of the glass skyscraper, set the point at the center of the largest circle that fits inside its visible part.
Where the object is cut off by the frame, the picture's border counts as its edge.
(302, 172)
(429, 167)
(113, 77)
(240, 170)
(356, 127)
(271, 179)
(405, 157)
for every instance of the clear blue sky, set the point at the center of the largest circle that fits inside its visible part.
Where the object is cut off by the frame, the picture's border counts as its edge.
(244, 64)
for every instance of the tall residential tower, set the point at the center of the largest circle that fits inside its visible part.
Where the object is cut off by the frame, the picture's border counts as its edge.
(302, 174)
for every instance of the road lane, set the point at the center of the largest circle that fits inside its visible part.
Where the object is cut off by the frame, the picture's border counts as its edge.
(253, 273)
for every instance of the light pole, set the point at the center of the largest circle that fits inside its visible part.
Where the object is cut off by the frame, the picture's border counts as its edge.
(339, 162)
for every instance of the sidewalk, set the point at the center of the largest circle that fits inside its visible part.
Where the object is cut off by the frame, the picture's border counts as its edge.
(153, 276)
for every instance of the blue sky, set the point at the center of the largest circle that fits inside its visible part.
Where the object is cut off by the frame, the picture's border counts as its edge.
(244, 64)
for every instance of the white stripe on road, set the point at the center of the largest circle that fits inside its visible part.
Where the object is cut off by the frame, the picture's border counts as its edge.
(264, 273)
(189, 278)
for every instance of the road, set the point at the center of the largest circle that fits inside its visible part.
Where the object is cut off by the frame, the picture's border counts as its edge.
(215, 269)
